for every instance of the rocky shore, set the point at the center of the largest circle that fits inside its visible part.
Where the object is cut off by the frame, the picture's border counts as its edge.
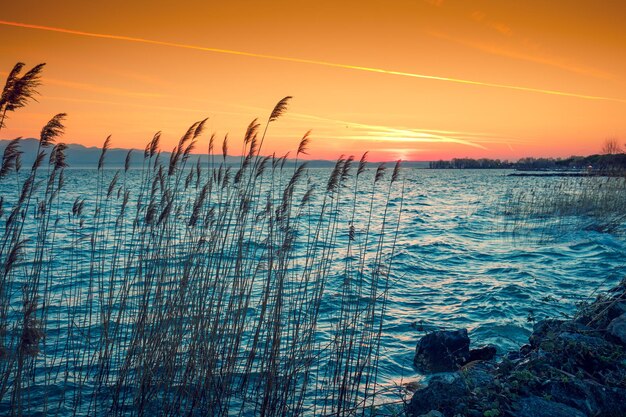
(569, 368)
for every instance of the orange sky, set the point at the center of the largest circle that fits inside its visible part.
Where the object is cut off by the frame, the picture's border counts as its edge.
(418, 80)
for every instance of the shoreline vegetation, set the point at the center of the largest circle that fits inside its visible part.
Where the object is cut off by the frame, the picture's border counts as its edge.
(613, 164)
(191, 289)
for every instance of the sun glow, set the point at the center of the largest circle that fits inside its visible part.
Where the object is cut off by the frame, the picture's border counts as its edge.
(442, 79)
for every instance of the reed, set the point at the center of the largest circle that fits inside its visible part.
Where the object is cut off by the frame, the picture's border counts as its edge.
(220, 288)
(559, 205)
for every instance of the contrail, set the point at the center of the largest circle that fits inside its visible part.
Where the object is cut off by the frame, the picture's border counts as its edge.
(309, 61)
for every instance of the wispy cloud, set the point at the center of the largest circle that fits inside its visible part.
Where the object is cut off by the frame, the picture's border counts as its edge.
(498, 26)
(540, 59)
(436, 3)
(325, 128)
(315, 62)
(100, 89)
(103, 89)
(380, 133)
(536, 55)
(198, 111)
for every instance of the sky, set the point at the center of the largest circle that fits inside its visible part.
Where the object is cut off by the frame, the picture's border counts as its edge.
(412, 80)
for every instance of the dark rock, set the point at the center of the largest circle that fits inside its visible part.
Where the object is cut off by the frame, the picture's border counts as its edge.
(571, 368)
(485, 353)
(616, 309)
(442, 351)
(443, 394)
(534, 406)
(574, 393)
(609, 400)
(474, 413)
(432, 413)
(617, 329)
(575, 327)
(525, 350)
(577, 341)
(583, 345)
(590, 397)
(516, 355)
(545, 329)
(574, 352)
(479, 375)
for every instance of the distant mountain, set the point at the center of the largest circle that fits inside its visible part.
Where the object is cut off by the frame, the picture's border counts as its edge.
(79, 156)
(76, 155)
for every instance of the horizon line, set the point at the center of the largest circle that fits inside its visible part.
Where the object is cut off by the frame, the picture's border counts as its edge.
(387, 161)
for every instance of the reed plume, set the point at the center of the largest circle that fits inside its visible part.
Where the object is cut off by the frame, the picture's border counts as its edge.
(304, 143)
(225, 147)
(362, 164)
(127, 160)
(396, 171)
(18, 91)
(57, 156)
(280, 108)
(52, 130)
(10, 157)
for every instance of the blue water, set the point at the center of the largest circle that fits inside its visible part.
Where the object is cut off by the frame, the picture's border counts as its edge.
(460, 266)
(456, 263)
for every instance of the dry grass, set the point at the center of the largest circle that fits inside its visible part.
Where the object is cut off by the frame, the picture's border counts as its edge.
(192, 290)
(562, 204)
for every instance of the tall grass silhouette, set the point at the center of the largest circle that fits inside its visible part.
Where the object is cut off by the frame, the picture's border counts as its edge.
(214, 288)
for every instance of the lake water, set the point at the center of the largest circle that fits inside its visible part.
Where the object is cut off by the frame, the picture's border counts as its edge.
(456, 262)
(459, 264)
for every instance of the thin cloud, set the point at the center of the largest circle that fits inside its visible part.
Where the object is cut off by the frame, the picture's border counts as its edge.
(553, 62)
(103, 90)
(143, 106)
(364, 132)
(372, 132)
(382, 137)
(313, 62)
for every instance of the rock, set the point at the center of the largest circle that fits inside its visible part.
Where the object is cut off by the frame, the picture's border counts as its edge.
(479, 375)
(432, 413)
(574, 393)
(525, 350)
(474, 413)
(575, 352)
(583, 347)
(442, 351)
(534, 406)
(571, 368)
(616, 309)
(617, 329)
(591, 398)
(442, 394)
(485, 353)
(545, 329)
(589, 343)
(609, 400)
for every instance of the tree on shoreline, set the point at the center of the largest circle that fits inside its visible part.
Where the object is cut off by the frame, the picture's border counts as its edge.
(611, 146)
